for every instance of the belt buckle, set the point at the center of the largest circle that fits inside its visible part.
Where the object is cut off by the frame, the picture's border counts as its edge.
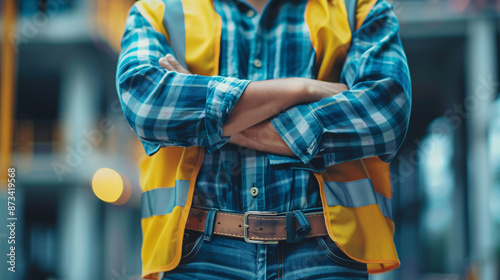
(246, 226)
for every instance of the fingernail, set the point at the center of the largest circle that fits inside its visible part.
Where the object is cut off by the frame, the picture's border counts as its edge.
(170, 57)
(163, 60)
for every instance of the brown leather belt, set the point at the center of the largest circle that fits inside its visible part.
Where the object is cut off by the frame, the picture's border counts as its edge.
(255, 227)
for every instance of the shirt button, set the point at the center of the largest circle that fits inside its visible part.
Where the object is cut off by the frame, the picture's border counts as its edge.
(254, 191)
(257, 63)
(250, 13)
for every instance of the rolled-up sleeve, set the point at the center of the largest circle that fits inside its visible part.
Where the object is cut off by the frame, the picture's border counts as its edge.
(166, 108)
(371, 118)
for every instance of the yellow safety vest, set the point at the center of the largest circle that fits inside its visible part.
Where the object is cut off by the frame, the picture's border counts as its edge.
(356, 195)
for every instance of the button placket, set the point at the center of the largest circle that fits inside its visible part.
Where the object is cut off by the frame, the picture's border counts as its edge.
(256, 70)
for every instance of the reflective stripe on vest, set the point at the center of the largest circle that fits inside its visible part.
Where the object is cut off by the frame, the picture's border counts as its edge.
(173, 20)
(356, 194)
(163, 200)
(350, 6)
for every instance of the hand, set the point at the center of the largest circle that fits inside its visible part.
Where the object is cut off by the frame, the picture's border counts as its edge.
(168, 62)
(262, 137)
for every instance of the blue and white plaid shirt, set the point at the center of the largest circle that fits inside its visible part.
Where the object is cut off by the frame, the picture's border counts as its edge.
(171, 109)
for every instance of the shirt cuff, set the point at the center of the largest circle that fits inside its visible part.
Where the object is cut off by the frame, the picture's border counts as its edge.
(222, 95)
(301, 130)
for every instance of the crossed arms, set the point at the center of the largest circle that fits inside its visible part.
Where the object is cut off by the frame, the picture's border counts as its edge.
(297, 118)
(249, 125)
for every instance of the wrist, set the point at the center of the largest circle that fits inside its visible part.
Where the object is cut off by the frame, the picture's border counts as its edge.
(310, 91)
(316, 90)
(302, 90)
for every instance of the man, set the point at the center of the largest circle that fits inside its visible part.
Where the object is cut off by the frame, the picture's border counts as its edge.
(288, 108)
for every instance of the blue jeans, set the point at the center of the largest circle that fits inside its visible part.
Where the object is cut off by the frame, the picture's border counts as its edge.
(231, 258)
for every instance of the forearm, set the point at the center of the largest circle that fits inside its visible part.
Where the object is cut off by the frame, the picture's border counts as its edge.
(264, 137)
(264, 99)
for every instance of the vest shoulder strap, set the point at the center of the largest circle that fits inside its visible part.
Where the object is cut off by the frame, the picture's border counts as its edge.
(351, 13)
(173, 20)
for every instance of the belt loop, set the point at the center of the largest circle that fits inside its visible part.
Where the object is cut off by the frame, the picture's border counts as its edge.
(209, 224)
(292, 235)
